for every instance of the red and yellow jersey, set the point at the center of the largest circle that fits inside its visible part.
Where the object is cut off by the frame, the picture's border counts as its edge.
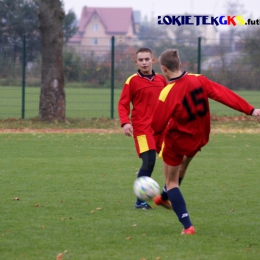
(183, 108)
(143, 93)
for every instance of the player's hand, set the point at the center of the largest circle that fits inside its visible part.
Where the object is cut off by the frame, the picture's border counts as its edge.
(256, 113)
(128, 129)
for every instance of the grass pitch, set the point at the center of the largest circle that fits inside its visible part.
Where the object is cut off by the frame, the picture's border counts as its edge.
(72, 194)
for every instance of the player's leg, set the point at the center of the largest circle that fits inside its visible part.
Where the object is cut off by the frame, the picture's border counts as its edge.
(178, 203)
(162, 199)
(148, 162)
(146, 149)
(148, 159)
(183, 168)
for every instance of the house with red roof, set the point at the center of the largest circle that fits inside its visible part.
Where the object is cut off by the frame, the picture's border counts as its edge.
(98, 24)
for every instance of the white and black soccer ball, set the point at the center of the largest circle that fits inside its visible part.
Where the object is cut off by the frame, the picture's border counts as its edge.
(146, 188)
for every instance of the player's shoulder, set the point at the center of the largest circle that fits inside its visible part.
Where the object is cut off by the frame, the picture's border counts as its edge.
(196, 76)
(165, 91)
(130, 78)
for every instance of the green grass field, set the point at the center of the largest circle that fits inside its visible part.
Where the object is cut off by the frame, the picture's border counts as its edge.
(88, 103)
(75, 197)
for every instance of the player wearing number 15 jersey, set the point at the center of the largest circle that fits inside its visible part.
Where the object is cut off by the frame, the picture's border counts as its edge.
(184, 104)
(183, 108)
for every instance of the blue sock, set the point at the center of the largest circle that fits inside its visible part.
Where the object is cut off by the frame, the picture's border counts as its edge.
(179, 206)
(164, 192)
(140, 174)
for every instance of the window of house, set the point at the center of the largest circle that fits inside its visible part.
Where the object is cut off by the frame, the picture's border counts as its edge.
(94, 41)
(94, 27)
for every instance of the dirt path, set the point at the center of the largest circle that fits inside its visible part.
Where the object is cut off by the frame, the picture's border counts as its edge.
(219, 124)
(57, 130)
(114, 131)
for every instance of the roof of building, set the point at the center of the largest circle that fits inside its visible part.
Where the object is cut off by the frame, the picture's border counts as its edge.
(115, 20)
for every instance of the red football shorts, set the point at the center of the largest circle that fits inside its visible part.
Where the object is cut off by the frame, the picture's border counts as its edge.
(173, 158)
(144, 143)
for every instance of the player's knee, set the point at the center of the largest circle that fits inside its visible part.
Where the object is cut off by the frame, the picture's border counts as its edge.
(151, 164)
(148, 158)
(149, 167)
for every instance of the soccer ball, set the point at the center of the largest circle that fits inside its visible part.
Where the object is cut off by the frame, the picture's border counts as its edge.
(145, 188)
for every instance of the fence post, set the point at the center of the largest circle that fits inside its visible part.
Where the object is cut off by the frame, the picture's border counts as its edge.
(112, 76)
(23, 77)
(199, 54)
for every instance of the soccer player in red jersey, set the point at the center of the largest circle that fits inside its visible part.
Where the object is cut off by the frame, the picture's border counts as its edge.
(142, 89)
(183, 108)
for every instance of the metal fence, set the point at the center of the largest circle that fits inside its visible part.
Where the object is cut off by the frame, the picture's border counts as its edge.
(95, 74)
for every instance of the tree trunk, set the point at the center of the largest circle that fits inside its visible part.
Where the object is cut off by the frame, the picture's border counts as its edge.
(52, 96)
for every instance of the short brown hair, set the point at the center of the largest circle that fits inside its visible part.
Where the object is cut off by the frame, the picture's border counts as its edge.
(144, 49)
(170, 59)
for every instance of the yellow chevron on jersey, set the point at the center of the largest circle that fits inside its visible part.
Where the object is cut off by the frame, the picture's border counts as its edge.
(164, 93)
(128, 80)
(194, 74)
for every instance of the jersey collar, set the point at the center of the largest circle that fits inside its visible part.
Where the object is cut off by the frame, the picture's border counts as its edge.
(174, 79)
(148, 77)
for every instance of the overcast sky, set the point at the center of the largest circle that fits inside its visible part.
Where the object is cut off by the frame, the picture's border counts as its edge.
(162, 7)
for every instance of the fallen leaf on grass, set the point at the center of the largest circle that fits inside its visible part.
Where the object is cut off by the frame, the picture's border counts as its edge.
(232, 210)
(98, 208)
(134, 225)
(128, 238)
(59, 256)
(16, 198)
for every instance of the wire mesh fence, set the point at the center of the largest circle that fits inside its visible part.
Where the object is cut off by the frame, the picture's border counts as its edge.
(92, 90)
